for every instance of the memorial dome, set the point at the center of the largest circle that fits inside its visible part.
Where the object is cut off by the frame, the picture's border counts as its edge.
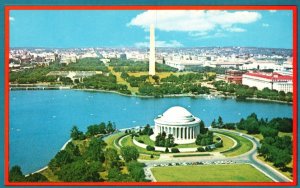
(177, 114)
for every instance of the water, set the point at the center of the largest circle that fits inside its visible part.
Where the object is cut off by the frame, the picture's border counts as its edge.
(40, 121)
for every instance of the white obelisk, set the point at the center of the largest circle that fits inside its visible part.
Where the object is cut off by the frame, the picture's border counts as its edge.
(152, 51)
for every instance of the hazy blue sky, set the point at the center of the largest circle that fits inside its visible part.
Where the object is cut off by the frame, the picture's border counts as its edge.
(106, 28)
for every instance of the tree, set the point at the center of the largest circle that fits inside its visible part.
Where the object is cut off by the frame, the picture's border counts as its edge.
(111, 158)
(175, 150)
(160, 139)
(213, 124)
(156, 78)
(129, 153)
(78, 171)
(72, 149)
(15, 174)
(268, 132)
(76, 134)
(220, 122)
(204, 139)
(150, 148)
(136, 171)
(110, 127)
(61, 158)
(36, 177)
(203, 130)
(95, 150)
(167, 150)
(169, 142)
(200, 149)
(115, 175)
(92, 130)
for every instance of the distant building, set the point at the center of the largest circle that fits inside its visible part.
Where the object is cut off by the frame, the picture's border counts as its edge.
(123, 56)
(234, 76)
(274, 80)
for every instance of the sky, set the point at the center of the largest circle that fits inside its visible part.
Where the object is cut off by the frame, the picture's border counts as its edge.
(173, 28)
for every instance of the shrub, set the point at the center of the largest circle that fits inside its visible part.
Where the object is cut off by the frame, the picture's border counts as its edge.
(151, 156)
(141, 141)
(150, 148)
(207, 148)
(167, 150)
(219, 144)
(200, 149)
(218, 139)
(175, 150)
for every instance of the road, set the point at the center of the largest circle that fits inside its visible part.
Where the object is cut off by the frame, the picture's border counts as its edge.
(249, 157)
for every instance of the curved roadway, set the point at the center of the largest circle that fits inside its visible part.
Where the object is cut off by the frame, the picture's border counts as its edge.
(248, 157)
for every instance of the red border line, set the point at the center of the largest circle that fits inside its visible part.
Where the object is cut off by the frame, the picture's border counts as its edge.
(6, 98)
(293, 8)
(151, 7)
(295, 94)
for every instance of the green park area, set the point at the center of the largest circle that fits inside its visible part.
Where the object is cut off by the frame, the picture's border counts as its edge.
(209, 173)
(243, 145)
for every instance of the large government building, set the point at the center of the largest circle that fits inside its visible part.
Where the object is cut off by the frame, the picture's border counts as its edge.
(180, 123)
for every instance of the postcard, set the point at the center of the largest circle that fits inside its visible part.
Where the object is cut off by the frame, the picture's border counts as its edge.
(150, 95)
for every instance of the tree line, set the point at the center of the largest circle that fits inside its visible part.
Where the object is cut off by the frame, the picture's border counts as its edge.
(274, 148)
(87, 155)
(120, 65)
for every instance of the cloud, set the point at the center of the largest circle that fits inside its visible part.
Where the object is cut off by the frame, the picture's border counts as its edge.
(236, 29)
(11, 18)
(172, 43)
(265, 25)
(272, 11)
(195, 22)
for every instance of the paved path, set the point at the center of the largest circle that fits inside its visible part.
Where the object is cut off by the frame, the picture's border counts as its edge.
(248, 157)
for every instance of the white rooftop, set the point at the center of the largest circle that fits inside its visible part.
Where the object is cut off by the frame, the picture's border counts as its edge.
(177, 115)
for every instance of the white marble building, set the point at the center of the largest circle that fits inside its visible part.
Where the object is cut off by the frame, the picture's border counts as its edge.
(180, 123)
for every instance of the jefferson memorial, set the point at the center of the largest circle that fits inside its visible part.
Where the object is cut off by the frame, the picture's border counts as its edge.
(180, 123)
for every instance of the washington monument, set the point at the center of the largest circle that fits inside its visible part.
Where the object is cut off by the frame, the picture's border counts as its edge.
(152, 51)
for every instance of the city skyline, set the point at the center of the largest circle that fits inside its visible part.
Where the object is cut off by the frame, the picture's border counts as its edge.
(181, 28)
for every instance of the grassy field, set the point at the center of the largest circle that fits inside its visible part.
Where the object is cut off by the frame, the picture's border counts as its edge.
(146, 139)
(120, 80)
(111, 139)
(127, 141)
(148, 157)
(227, 143)
(160, 74)
(245, 145)
(50, 175)
(209, 173)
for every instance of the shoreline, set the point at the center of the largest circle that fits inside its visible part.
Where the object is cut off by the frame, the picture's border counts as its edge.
(208, 96)
(45, 167)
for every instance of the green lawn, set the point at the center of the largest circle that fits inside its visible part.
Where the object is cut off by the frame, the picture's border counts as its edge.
(243, 146)
(227, 143)
(209, 173)
(112, 138)
(146, 139)
(127, 141)
(192, 155)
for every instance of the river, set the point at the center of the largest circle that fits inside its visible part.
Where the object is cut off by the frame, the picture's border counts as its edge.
(40, 121)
